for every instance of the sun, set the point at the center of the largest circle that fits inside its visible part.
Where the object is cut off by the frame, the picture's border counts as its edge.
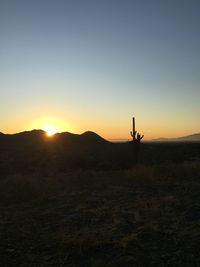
(50, 130)
(51, 125)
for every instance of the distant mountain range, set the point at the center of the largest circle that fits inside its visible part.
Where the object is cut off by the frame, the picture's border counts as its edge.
(188, 138)
(86, 137)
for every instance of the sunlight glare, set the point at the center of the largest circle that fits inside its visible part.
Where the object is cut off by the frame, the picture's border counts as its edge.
(50, 130)
(51, 125)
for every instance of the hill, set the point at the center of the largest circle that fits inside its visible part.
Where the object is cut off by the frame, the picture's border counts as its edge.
(87, 136)
(33, 151)
(188, 138)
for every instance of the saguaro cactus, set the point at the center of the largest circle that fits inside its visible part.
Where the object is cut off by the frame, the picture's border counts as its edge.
(133, 132)
(136, 138)
(135, 143)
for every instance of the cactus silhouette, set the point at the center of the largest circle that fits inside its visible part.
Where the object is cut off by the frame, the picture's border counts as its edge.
(137, 137)
(133, 132)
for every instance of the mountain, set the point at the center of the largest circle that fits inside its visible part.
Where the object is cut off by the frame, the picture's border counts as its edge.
(34, 150)
(23, 134)
(38, 140)
(188, 138)
(40, 134)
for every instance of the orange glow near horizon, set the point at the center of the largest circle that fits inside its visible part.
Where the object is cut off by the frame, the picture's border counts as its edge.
(50, 125)
(107, 128)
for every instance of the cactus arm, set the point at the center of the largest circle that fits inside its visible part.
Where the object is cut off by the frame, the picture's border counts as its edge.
(141, 137)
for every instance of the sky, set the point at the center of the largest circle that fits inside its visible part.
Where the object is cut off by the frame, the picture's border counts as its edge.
(80, 65)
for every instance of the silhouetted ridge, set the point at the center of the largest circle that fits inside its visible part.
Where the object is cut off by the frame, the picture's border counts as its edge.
(36, 137)
(23, 140)
(193, 137)
(31, 133)
(88, 134)
(25, 133)
(188, 138)
(85, 138)
(33, 150)
(93, 136)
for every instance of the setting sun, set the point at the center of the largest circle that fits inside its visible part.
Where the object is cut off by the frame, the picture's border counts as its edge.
(50, 130)
(51, 125)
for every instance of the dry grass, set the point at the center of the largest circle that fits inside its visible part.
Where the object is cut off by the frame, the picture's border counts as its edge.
(144, 216)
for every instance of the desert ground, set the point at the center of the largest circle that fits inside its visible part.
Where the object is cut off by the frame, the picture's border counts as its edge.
(147, 214)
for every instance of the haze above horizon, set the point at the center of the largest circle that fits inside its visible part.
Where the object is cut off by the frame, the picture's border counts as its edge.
(92, 65)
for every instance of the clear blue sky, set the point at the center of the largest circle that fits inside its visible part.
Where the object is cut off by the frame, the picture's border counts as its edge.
(95, 63)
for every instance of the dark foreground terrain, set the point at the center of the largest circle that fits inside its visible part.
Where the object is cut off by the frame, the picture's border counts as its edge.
(144, 215)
